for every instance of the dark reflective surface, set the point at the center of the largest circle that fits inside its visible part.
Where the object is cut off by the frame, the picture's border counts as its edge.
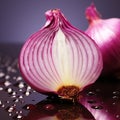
(19, 101)
(56, 109)
(102, 99)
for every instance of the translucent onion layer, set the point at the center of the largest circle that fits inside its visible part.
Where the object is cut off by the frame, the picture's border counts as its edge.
(60, 56)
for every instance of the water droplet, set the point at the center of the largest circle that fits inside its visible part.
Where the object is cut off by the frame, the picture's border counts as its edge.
(0, 102)
(3, 105)
(9, 90)
(10, 114)
(116, 92)
(117, 116)
(10, 69)
(10, 109)
(115, 97)
(1, 88)
(97, 107)
(28, 88)
(13, 96)
(8, 101)
(14, 93)
(7, 77)
(2, 74)
(20, 96)
(19, 116)
(21, 85)
(29, 107)
(20, 90)
(16, 100)
(19, 78)
(27, 93)
(7, 83)
(114, 103)
(90, 93)
(49, 107)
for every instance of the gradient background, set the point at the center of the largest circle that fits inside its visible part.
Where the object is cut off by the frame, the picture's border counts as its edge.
(20, 18)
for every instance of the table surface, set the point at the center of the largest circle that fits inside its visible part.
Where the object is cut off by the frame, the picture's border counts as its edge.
(99, 101)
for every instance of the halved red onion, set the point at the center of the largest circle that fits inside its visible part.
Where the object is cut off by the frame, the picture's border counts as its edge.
(60, 59)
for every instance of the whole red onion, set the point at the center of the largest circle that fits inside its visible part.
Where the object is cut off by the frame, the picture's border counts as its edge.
(60, 59)
(106, 33)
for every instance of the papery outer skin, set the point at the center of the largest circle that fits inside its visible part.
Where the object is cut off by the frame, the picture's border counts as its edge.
(59, 55)
(106, 33)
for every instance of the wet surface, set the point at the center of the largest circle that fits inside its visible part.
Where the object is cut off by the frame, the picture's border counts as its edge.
(100, 101)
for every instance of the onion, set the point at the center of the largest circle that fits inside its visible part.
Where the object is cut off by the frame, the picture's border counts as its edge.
(106, 33)
(60, 59)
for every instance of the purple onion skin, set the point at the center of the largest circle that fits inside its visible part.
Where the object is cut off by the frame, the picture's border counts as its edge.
(106, 33)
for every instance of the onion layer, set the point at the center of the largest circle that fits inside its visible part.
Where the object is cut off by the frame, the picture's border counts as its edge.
(106, 33)
(60, 59)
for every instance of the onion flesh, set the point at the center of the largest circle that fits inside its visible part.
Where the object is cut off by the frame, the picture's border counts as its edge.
(60, 59)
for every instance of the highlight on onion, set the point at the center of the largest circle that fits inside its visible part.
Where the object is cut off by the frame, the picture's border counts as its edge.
(106, 33)
(59, 59)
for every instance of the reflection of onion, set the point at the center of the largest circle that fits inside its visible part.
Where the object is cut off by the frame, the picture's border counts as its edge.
(100, 104)
(59, 110)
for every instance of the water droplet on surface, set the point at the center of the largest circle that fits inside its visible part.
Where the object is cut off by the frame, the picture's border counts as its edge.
(20, 90)
(27, 93)
(8, 101)
(13, 96)
(20, 96)
(9, 90)
(90, 93)
(116, 92)
(7, 77)
(97, 107)
(11, 69)
(10, 114)
(1, 88)
(2, 74)
(0, 102)
(115, 97)
(49, 107)
(19, 78)
(14, 93)
(3, 105)
(114, 103)
(10, 109)
(117, 116)
(7, 83)
(21, 85)
(19, 116)
(29, 107)
(16, 100)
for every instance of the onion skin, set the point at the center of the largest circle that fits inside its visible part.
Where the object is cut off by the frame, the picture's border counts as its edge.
(106, 33)
(60, 59)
